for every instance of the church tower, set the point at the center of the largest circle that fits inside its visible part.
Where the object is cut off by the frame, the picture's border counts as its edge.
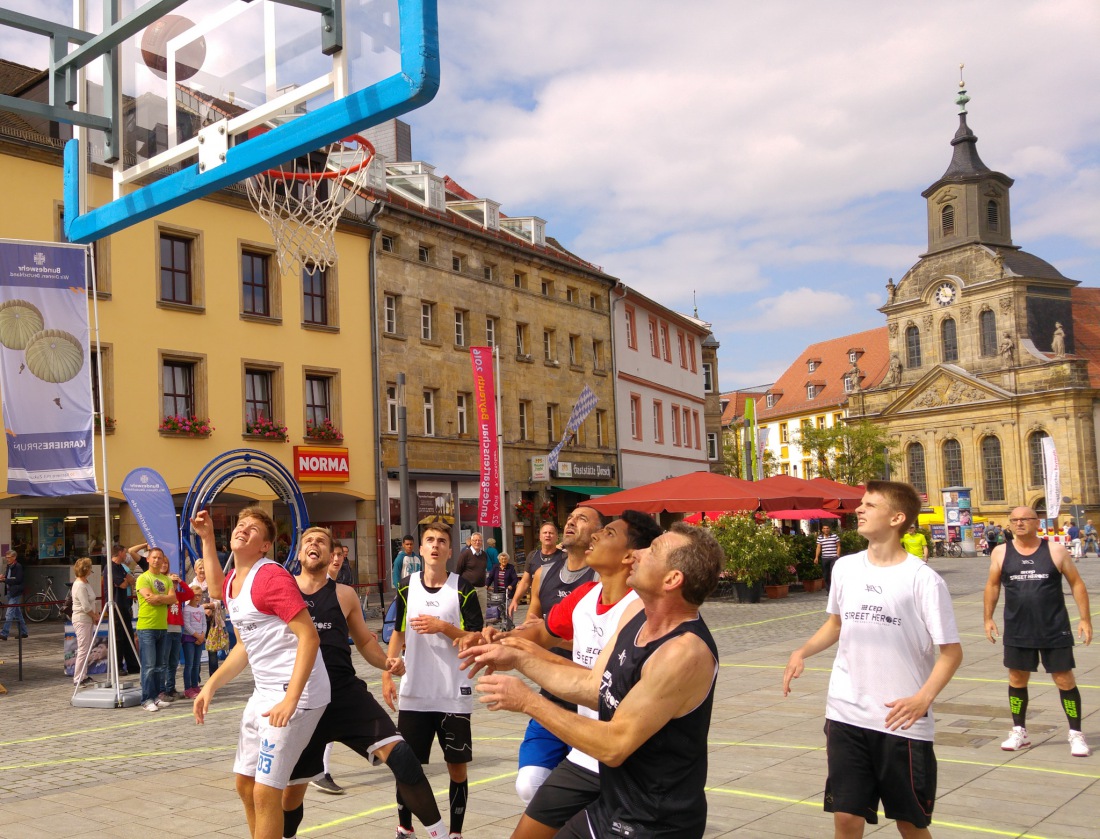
(969, 203)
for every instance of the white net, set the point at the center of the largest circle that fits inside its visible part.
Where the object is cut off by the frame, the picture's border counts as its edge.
(302, 201)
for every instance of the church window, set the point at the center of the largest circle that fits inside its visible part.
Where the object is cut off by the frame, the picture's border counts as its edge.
(952, 463)
(950, 340)
(992, 215)
(912, 347)
(993, 474)
(914, 459)
(947, 220)
(1036, 475)
(987, 329)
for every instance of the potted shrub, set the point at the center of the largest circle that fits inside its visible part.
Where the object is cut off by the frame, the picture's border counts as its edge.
(778, 581)
(803, 548)
(753, 551)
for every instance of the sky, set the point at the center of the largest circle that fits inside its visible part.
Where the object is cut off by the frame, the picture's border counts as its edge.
(763, 161)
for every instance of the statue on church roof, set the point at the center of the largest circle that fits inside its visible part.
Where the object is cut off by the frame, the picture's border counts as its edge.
(1007, 349)
(893, 373)
(891, 290)
(1058, 342)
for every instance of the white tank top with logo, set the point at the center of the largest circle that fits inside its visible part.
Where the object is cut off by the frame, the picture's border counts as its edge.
(272, 647)
(432, 680)
(591, 632)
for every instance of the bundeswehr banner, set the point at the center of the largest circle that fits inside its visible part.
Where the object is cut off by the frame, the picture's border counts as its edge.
(152, 505)
(485, 405)
(45, 384)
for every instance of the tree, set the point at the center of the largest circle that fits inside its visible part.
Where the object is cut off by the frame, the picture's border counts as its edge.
(852, 453)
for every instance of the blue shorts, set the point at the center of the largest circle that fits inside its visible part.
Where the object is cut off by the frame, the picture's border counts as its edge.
(540, 748)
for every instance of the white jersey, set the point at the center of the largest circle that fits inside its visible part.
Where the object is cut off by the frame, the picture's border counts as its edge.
(271, 646)
(891, 621)
(432, 680)
(591, 631)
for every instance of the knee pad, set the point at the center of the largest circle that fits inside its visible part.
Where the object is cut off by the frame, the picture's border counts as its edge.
(528, 781)
(403, 764)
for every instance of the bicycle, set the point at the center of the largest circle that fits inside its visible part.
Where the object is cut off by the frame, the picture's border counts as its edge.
(954, 549)
(42, 606)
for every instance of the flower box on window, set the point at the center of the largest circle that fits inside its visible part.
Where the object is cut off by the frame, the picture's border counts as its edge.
(263, 428)
(324, 432)
(179, 425)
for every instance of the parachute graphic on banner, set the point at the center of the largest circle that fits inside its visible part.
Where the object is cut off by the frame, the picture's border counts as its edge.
(44, 368)
(585, 403)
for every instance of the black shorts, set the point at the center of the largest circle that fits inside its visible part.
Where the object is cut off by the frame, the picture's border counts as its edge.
(1055, 659)
(353, 718)
(451, 730)
(565, 792)
(868, 766)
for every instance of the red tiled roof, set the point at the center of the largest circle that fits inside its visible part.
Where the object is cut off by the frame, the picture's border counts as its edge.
(735, 404)
(830, 370)
(1086, 329)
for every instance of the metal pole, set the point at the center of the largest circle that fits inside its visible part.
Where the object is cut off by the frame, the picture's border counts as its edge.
(403, 460)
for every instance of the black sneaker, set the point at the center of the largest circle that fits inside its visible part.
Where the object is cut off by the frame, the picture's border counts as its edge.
(327, 785)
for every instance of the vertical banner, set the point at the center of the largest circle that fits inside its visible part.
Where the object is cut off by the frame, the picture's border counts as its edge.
(44, 368)
(155, 511)
(1052, 481)
(485, 406)
(748, 443)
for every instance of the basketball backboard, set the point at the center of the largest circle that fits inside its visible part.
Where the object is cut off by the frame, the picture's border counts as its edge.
(210, 92)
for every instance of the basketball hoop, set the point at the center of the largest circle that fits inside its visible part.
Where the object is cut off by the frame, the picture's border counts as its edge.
(302, 200)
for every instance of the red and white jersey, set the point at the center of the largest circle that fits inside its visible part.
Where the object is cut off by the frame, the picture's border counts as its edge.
(269, 598)
(593, 624)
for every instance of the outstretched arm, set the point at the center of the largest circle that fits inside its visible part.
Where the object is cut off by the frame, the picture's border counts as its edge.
(203, 526)
(364, 639)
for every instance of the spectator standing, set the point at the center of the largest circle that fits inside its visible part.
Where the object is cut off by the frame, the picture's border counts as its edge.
(828, 549)
(1090, 538)
(505, 578)
(887, 614)
(193, 641)
(472, 566)
(174, 643)
(1036, 623)
(548, 551)
(914, 543)
(406, 562)
(493, 554)
(13, 595)
(1073, 534)
(156, 592)
(119, 575)
(84, 620)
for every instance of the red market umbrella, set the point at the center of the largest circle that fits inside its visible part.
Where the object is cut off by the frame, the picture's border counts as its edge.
(839, 496)
(802, 514)
(789, 493)
(709, 515)
(682, 494)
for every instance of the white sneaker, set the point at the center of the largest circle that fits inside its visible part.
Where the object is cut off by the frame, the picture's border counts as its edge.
(161, 702)
(1017, 739)
(1077, 745)
(150, 705)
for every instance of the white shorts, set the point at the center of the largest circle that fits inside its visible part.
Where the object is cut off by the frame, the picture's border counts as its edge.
(269, 754)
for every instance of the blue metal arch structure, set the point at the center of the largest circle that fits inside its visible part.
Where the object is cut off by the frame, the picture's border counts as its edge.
(220, 473)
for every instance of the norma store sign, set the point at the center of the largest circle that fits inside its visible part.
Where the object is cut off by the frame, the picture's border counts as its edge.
(321, 463)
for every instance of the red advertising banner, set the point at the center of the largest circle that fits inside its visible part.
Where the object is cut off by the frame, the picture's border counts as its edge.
(321, 463)
(485, 405)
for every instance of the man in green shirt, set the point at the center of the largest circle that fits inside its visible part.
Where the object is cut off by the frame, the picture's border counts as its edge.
(155, 593)
(915, 543)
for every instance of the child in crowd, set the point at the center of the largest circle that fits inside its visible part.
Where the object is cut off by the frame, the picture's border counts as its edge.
(194, 642)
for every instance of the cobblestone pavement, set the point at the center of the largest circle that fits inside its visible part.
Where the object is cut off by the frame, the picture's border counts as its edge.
(79, 772)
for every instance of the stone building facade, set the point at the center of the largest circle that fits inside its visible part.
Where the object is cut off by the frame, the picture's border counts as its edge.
(990, 350)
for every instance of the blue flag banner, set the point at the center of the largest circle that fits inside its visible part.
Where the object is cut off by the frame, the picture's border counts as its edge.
(155, 511)
(585, 403)
(45, 380)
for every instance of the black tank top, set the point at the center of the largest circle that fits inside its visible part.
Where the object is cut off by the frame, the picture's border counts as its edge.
(658, 792)
(552, 591)
(1035, 608)
(332, 627)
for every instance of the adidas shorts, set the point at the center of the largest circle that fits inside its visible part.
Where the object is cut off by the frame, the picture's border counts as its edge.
(269, 754)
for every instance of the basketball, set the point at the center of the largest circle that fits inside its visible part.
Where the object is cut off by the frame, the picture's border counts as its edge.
(154, 48)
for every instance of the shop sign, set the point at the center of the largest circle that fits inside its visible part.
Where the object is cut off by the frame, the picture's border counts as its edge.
(321, 463)
(540, 468)
(592, 471)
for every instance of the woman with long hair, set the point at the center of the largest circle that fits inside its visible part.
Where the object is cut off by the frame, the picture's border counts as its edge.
(84, 620)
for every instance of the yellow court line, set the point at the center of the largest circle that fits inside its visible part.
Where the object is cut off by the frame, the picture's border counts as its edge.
(382, 809)
(954, 678)
(130, 756)
(767, 620)
(115, 727)
(990, 831)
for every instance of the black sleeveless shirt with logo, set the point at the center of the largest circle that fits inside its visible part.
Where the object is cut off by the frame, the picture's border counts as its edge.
(658, 792)
(1035, 608)
(552, 591)
(332, 627)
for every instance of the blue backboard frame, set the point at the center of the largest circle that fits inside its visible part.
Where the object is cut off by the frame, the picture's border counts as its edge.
(414, 86)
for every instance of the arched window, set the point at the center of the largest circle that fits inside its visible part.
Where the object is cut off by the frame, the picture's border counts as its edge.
(992, 215)
(952, 463)
(1035, 458)
(949, 339)
(993, 473)
(914, 461)
(987, 328)
(947, 220)
(912, 347)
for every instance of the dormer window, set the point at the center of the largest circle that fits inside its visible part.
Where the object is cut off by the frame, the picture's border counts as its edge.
(811, 391)
(947, 220)
(993, 215)
(847, 384)
(853, 356)
(771, 400)
(812, 365)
